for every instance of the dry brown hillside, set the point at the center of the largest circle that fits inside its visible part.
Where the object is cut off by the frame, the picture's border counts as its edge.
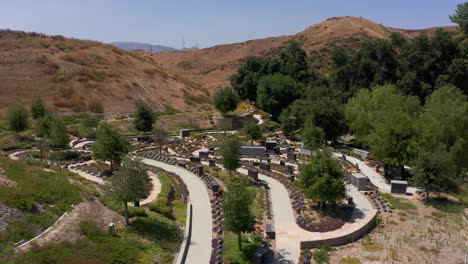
(211, 67)
(67, 73)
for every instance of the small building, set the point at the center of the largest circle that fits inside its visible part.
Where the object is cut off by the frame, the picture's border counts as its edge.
(359, 181)
(252, 151)
(398, 187)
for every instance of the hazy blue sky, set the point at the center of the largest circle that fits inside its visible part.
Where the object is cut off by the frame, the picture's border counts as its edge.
(208, 22)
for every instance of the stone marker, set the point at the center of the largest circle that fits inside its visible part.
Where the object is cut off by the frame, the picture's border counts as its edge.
(398, 186)
(212, 163)
(111, 228)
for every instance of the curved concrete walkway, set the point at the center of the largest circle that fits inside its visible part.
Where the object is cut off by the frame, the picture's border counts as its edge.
(289, 235)
(200, 246)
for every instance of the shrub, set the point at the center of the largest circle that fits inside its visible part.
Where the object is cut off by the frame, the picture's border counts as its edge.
(95, 106)
(89, 228)
(64, 155)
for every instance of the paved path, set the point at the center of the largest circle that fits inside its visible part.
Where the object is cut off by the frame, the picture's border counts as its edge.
(200, 246)
(154, 191)
(259, 118)
(289, 234)
(375, 177)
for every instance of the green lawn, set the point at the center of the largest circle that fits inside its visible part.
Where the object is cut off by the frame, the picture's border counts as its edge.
(398, 203)
(231, 250)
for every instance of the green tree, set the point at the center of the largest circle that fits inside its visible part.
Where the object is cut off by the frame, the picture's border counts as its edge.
(461, 17)
(434, 170)
(130, 183)
(17, 118)
(230, 153)
(325, 111)
(293, 117)
(383, 119)
(110, 145)
(313, 137)
(321, 179)
(253, 131)
(293, 61)
(144, 118)
(37, 109)
(444, 123)
(238, 217)
(43, 126)
(225, 100)
(276, 92)
(58, 135)
(160, 138)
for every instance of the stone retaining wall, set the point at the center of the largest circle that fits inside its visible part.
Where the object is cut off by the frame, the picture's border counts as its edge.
(344, 239)
(230, 123)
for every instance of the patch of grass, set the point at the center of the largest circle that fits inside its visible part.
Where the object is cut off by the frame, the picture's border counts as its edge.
(37, 187)
(322, 255)
(43, 195)
(350, 260)
(162, 203)
(398, 203)
(447, 206)
(231, 252)
(98, 247)
(118, 207)
(372, 247)
(13, 141)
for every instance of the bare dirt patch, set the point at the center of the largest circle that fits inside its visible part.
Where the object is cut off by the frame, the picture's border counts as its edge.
(68, 228)
(422, 235)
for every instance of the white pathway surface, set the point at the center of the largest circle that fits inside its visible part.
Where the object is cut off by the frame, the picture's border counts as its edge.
(289, 234)
(154, 191)
(259, 118)
(200, 246)
(375, 177)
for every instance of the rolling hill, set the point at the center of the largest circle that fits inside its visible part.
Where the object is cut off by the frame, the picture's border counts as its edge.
(68, 73)
(211, 67)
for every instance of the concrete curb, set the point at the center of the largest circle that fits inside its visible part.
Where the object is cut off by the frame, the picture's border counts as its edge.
(184, 247)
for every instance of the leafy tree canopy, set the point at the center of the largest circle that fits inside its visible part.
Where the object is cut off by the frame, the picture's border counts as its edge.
(144, 117)
(225, 100)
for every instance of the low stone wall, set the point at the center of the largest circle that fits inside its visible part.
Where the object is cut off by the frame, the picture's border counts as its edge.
(184, 248)
(236, 122)
(344, 239)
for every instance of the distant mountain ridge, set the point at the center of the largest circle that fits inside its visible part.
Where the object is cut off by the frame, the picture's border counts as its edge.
(146, 47)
